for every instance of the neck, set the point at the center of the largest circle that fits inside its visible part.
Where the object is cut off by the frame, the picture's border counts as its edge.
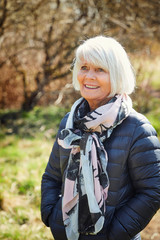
(95, 104)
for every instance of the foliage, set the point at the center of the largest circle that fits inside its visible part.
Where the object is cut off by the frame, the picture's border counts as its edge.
(40, 47)
(38, 40)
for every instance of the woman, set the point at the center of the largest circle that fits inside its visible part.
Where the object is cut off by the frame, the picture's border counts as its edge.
(102, 181)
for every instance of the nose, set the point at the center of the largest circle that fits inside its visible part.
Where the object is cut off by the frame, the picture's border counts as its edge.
(90, 74)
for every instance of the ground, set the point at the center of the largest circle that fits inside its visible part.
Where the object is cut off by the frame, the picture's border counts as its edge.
(152, 231)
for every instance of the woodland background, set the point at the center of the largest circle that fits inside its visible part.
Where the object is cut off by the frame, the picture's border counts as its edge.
(38, 39)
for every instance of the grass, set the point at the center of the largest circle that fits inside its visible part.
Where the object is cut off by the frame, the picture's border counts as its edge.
(40, 122)
(20, 188)
(25, 144)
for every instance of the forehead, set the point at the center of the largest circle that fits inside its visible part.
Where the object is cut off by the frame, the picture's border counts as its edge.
(89, 60)
(88, 64)
(92, 63)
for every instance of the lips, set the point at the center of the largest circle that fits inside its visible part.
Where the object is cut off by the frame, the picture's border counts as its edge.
(91, 86)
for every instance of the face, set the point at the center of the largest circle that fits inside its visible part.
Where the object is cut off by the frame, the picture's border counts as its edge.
(94, 84)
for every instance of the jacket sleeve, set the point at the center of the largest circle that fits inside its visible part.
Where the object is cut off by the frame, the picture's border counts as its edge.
(51, 181)
(144, 169)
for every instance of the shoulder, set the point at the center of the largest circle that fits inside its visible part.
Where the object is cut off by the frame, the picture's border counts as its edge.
(141, 123)
(143, 133)
(63, 122)
(135, 122)
(135, 129)
(137, 118)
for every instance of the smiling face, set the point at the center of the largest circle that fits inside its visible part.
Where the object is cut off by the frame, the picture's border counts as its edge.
(94, 84)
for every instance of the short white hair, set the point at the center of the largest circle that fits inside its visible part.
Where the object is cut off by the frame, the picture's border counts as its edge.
(107, 53)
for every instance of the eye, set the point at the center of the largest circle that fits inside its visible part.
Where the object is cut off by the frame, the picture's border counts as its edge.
(100, 70)
(84, 67)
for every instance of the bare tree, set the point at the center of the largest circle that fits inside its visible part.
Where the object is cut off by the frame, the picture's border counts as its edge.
(38, 38)
(45, 33)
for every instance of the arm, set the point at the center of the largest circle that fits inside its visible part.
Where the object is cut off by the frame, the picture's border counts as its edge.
(144, 169)
(50, 186)
(51, 181)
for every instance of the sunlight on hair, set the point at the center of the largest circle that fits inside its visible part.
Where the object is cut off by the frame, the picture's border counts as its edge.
(107, 53)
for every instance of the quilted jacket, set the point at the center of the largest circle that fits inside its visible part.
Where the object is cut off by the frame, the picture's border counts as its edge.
(134, 173)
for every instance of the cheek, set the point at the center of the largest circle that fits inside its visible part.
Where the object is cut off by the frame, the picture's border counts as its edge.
(107, 85)
(80, 78)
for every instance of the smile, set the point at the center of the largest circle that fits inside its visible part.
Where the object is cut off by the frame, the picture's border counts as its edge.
(91, 86)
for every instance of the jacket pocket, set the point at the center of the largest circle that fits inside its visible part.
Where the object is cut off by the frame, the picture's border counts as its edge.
(56, 222)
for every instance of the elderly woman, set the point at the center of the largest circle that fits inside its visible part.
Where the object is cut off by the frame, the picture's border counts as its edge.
(102, 181)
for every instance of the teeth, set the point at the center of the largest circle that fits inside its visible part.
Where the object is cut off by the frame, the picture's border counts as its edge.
(89, 86)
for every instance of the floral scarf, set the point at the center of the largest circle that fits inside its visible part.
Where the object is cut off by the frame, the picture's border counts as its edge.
(86, 182)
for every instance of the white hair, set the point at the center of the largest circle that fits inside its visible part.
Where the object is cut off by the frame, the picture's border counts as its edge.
(107, 53)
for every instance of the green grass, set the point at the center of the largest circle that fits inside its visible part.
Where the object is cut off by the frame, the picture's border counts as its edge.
(20, 181)
(25, 144)
(34, 124)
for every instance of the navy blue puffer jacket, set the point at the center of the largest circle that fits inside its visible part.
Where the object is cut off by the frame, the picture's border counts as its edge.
(134, 173)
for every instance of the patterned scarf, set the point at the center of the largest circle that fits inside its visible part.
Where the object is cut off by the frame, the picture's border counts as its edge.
(86, 182)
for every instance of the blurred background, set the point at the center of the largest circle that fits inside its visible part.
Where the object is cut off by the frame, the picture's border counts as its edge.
(38, 39)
